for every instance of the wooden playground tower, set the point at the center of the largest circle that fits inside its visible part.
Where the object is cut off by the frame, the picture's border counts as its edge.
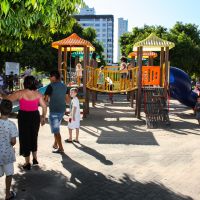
(69, 45)
(143, 78)
(161, 72)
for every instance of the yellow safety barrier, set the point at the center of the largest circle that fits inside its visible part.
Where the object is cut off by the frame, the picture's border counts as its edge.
(111, 79)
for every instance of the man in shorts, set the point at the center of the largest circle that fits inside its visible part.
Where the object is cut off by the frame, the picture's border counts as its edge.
(56, 95)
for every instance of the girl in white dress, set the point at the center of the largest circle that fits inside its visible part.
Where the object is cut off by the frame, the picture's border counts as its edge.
(74, 118)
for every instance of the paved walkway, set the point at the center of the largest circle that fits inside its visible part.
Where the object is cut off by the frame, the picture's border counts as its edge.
(118, 159)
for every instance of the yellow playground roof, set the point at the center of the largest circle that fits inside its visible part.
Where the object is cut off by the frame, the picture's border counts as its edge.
(153, 43)
(73, 43)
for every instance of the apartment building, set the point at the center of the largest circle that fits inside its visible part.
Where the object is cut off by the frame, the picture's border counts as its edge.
(104, 26)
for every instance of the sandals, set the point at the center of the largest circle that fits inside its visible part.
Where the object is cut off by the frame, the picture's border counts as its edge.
(57, 151)
(54, 147)
(68, 141)
(35, 162)
(76, 141)
(12, 195)
(26, 166)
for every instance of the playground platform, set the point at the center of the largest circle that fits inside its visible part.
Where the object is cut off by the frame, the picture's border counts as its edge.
(118, 158)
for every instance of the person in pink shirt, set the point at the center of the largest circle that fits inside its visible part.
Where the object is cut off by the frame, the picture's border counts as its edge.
(29, 118)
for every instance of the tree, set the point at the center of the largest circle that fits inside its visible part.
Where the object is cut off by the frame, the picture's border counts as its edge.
(42, 56)
(127, 40)
(35, 19)
(186, 53)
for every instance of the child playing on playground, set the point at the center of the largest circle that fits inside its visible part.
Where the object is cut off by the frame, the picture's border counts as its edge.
(74, 116)
(8, 134)
(79, 74)
(124, 73)
(110, 87)
(197, 109)
(100, 79)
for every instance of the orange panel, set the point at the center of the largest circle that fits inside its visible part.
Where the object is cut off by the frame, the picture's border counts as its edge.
(150, 75)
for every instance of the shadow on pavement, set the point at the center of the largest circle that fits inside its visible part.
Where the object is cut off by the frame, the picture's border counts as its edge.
(93, 153)
(117, 125)
(86, 184)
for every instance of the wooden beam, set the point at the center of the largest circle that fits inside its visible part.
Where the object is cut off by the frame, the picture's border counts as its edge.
(88, 56)
(84, 71)
(150, 60)
(166, 68)
(162, 53)
(59, 58)
(65, 65)
(139, 83)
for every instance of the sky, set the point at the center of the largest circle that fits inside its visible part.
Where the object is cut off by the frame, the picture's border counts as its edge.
(149, 12)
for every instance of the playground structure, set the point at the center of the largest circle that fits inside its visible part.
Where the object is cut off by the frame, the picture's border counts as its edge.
(147, 85)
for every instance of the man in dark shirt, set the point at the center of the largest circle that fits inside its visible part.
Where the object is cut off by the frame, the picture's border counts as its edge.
(56, 95)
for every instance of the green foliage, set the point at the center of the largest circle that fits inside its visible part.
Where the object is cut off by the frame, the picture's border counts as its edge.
(35, 19)
(185, 55)
(42, 56)
(127, 40)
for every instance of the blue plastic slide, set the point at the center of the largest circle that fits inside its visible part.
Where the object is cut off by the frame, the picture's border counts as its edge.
(181, 88)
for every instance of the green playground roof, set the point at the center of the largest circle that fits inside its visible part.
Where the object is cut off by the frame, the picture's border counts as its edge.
(153, 43)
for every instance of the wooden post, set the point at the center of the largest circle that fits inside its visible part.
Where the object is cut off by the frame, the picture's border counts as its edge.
(161, 66)
(85, 90)
(150, 60)
(166, 69)
(65, 65)
(88, 56)
(84, 71)
(131, 98)
(139, 83)
(59, 58)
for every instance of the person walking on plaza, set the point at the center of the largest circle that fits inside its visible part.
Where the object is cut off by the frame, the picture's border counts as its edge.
(56, 95)
(29, 119)
(74, 117)
(8, 134)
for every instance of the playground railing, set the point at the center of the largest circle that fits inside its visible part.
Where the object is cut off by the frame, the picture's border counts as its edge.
(111, 80)
(121, 81)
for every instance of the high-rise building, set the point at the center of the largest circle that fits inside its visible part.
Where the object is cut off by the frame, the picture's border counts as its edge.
(122, 28)
(104, 26)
